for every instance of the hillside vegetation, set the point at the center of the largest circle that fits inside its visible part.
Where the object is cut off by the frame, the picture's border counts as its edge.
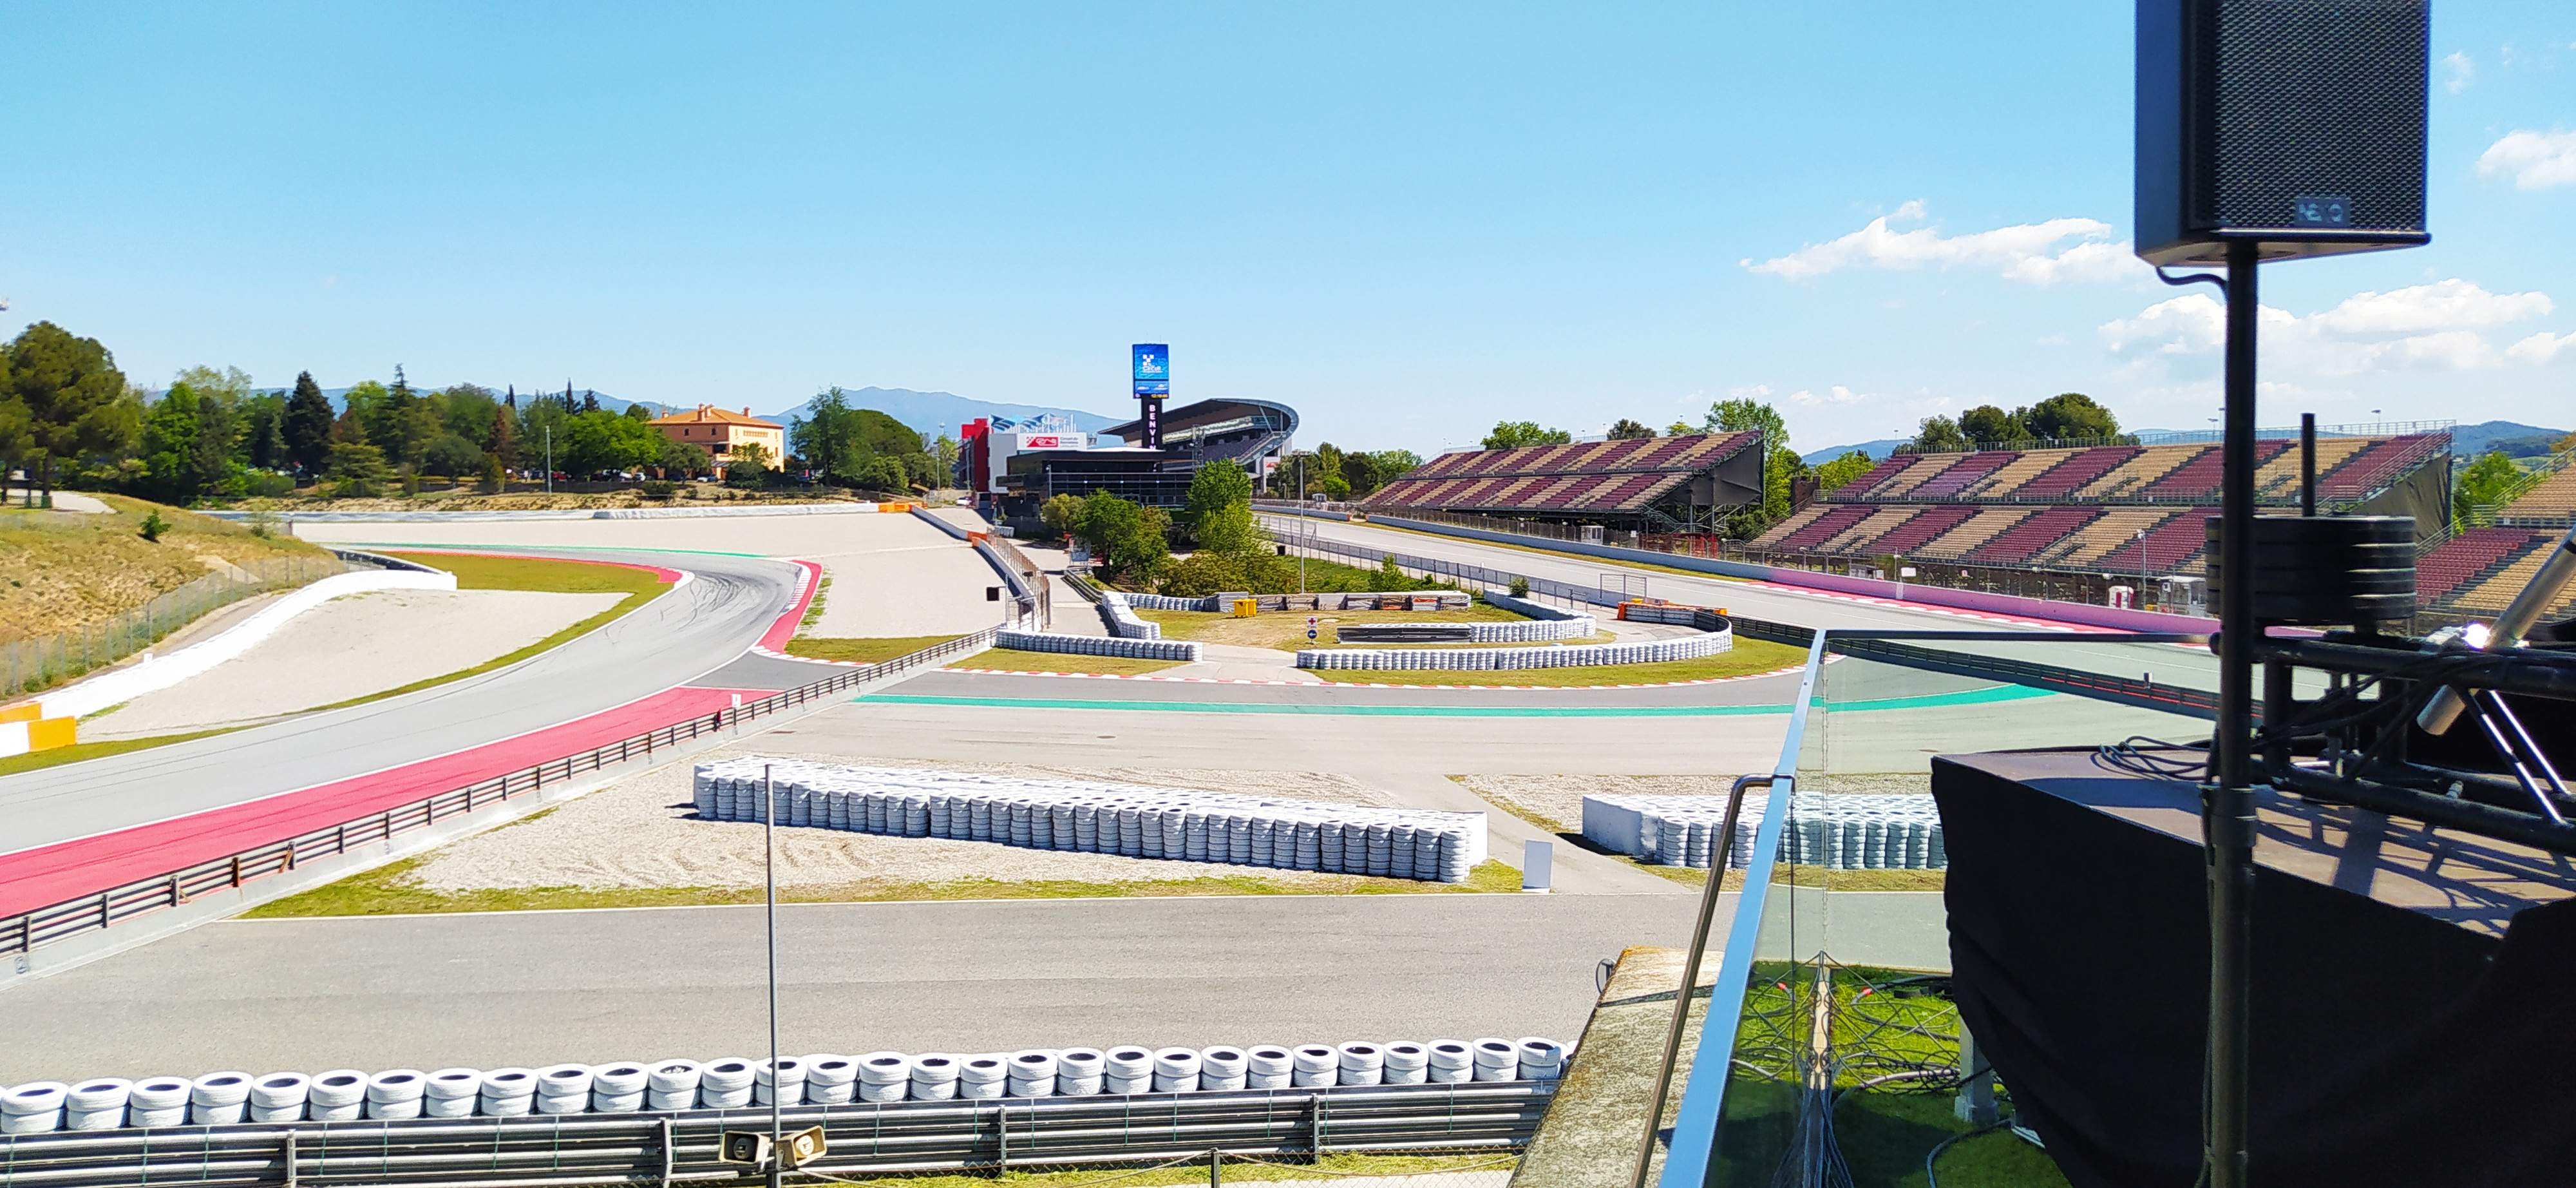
(63, 571)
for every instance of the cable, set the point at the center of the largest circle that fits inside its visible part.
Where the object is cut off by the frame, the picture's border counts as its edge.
(1932, 1181)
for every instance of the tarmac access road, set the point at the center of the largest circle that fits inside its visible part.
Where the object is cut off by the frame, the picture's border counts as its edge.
(530, 988)
(682, 653)
(2167, 663)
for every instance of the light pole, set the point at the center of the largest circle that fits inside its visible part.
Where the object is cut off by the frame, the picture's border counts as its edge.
(550, 459)
(769, 876)
(2139, 600)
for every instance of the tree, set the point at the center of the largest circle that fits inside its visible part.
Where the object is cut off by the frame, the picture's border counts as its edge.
(945, 450)
(1779, 465)
(1061, 513)
(1680, 429)
(1130, 539)
(1218, 511)
(880, 472)
(308, 424)
(1509, 435)
(1986, 425)
(494, 479)
(539, 418)
(71, 397)
(1336, 488)
(1624, 429)
(357, 470)
(218, 426)
(1938, 435)
(2483, 482)
(748, 466)
(1362, 473)
(501, 437)
(2070, 415)
(596, 441)
(1392, 464)
(263, 440)
(1205, 573)
(451, 455)
(637, 412)
(361, 412)
(682, 459)
(170, 447)
(1840, 471)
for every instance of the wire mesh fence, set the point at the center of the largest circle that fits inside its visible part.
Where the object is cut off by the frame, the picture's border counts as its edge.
(40, 662)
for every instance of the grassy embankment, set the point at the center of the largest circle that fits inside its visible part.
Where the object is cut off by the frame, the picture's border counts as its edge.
(395, 889)
(1782, 874)
(65, 571)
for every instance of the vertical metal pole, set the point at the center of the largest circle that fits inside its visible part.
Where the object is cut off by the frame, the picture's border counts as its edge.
(2227, 817)
(769, 877)
(1721, 856)
(2307, 464)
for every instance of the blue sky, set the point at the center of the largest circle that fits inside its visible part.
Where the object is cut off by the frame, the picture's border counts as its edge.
(1406, 220)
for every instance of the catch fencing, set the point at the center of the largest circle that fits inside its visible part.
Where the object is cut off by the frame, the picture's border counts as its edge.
(48, 925)
(27, 665)
(1296, 1126)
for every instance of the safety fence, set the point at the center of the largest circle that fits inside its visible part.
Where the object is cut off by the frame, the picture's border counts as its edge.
(27, 665)
(1513, 659)
(862, 1139)
(48, 925)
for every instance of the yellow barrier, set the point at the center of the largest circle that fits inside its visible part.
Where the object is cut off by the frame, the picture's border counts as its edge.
(1245, 608)
(45, 734)
(22, 713)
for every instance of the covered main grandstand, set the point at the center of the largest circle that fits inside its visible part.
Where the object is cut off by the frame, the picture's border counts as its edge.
(2094, 516)
(1248, 433)
(1655, 483)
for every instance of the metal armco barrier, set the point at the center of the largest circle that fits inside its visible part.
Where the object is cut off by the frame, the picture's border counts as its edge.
(864, 1139)
(44, 926)
(2178, 699)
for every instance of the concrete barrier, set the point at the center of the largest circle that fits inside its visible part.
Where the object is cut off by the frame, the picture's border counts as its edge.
(156, 672)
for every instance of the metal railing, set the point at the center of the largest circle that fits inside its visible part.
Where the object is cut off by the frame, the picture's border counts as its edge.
(863, 1139)
(115, 905)
(30, 664)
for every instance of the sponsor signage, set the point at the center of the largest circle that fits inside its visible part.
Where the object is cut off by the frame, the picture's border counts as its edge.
(1152, 368)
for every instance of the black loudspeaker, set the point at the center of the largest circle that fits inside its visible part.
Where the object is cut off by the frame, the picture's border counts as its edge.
(2295, 124)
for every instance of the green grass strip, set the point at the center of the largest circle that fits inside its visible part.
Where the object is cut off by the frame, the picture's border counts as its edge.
(35, 760)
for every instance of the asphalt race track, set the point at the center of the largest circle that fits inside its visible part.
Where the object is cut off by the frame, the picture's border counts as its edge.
(691, 641)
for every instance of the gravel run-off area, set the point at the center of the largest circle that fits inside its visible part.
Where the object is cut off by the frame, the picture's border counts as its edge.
(643, 831)
(350, 647)
(891, 575)
(1559, 798)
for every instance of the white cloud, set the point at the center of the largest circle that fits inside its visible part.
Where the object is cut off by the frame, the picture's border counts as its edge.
(2453, 304)
(2535, 160)
(2543, 347)
(1837, 394)
(2431, 327)
(1749, 392)
(2458, 72)
(2046, 253)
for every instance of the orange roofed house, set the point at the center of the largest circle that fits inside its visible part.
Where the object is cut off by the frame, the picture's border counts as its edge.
(720, 432)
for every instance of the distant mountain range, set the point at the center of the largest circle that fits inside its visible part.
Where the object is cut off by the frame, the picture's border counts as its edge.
(942, 412)
(2468, 441)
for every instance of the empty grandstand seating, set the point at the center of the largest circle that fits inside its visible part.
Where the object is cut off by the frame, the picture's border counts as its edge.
(2496, 591)
(2005, 480)
(2197, 479)
(1826, 526)
(2380, 464)
(2073, 474)
(2471, 554)
(2168, 545)
(1925, 467)
(2552, 500)
(1797, 519)
(2142, 470)
(2014, 545)
(2085, 546)
(1961, 474)
(1862, 537)
(2279, 478)
(1973, 533)
(1619, 477)
(1859, 488)
(1913, 534)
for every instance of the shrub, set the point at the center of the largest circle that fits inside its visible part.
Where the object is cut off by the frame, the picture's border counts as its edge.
(153, 525)
(267, 484)
(1201, 574)
(659, 489)
(746, 474)
(494, 480)
(263, 524)
(1520, 587)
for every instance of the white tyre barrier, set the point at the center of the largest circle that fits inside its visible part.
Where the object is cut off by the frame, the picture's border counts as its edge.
(396, 1093)
(1094, 645)
(279, 1097)
(830, 1080)
(219, 1098)
(1842, 831)
(1130, 820)
(725, 1084)
(674, 1085)
(451, 1093)
(35, 1108)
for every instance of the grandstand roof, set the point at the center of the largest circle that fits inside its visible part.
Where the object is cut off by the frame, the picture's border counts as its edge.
(1624, 476)
(1205, 413)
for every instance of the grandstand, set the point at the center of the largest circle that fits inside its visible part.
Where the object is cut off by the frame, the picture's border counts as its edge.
(2133, 509)
(1653, 482)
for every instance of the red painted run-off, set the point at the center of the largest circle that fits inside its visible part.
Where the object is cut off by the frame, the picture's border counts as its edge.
(785, 628)
(57, 873)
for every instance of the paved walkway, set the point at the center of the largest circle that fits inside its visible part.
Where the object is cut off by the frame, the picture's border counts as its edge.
(69, 501)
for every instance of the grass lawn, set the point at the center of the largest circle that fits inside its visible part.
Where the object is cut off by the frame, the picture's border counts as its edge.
(1286, 630)
(76, 752)
(1749, 656)
(863, 651)
(527, 573)
(395, 889)
(1015, 660)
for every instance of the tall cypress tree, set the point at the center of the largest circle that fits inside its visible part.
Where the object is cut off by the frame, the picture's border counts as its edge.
(308, 424)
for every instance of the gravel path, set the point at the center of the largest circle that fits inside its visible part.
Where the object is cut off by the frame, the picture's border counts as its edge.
(643, 831)
(351, 647)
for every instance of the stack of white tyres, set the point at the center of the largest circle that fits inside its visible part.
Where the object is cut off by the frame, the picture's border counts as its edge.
(508, 1093)
(397, 1093)
(34, 1108)
(935, 1077)
(219, 1098)
(451, 1093)
(830, 1080)
(279, 1097)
